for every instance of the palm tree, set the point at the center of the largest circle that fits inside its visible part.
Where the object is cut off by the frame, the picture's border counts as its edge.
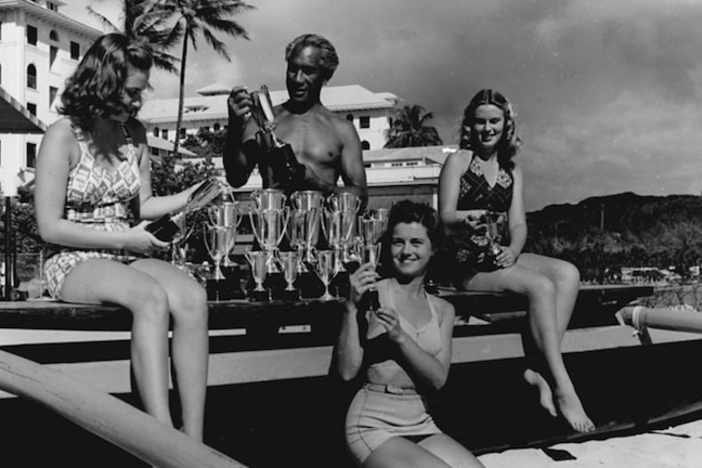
(409, 129)
(144, 20)
(201, 16)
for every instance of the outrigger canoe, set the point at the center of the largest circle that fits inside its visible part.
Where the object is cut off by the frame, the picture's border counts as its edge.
(273, 397)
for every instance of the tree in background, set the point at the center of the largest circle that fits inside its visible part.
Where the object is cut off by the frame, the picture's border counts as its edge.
(410, 129)
(206, 143)
(202, 16)
(144, 20)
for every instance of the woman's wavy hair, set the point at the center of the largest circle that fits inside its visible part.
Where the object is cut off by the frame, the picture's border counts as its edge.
(510, 142)
(328, 59)
(95, 88)
(408, 211)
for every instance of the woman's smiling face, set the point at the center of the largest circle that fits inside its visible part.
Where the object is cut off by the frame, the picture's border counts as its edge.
(410, 249)
(489, 125)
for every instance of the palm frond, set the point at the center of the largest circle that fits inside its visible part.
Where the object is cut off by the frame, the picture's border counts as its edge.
(100, 17)
(216, 44)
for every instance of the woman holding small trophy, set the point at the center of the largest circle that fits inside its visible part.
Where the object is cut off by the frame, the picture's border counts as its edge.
(480, 187)
(403, 349)
(92, 178)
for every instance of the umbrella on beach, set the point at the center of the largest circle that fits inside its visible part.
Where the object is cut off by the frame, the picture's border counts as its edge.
(14, 119)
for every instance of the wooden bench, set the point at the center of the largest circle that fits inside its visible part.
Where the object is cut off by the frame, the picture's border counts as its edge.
(243, 314)
(257, 342)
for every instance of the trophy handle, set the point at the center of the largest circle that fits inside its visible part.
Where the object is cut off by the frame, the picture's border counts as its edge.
(255, 222)
(325, 229)
(285, 216)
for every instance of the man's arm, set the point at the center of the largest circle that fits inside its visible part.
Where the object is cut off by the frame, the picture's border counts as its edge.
(352, 171)
(241, 150)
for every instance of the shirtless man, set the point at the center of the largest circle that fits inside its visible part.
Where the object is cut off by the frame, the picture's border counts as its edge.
(326, 145)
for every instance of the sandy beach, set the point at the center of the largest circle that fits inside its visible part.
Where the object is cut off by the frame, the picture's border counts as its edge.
(679, 447)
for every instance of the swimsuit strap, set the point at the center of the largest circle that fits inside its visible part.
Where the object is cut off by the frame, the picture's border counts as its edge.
(391, 304)
(127, 137)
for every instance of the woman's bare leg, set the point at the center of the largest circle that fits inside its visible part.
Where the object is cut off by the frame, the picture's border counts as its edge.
(546, 328)
(190, 342)
(438, 451)
(101, 281)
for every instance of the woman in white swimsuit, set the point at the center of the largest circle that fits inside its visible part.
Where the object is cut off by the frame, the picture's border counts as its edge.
(92, 175)
(404, 351)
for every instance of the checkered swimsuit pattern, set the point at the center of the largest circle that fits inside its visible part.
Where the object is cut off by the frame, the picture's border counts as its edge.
(475, 193)
(96, 198)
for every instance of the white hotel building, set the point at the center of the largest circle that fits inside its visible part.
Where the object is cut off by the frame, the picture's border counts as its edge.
(40, 47)
(370, 112)
(392, 173)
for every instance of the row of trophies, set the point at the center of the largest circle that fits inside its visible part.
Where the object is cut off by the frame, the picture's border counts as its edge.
(287, 231)
(289, 254)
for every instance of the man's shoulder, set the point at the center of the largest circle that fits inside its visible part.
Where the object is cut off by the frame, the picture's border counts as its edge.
(341, 124)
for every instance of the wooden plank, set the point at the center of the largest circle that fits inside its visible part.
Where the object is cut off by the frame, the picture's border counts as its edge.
(238, 367)
(245, 314)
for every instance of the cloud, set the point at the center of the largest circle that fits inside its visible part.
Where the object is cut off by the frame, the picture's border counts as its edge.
(607, 92)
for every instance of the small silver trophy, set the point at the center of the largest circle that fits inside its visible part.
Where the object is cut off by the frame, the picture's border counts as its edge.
(258, 260)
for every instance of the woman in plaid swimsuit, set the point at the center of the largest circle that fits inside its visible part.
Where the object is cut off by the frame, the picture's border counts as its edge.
(93, 174)
(481, 179)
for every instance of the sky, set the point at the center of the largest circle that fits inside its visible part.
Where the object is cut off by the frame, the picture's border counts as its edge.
(608, 94)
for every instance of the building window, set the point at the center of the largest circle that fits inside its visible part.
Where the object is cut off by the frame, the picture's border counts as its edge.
(364, 121)
(349, 117)
(31, 76)
(32, 108)
(52, 95)
(365, 145)
(53, 52)
(31, 35)
(154, 151)
(53, 36)
(75, 50)
(31, 155)
(156, 132)
(164, 134)
(216, 127)
(51, 6)
(183, 133)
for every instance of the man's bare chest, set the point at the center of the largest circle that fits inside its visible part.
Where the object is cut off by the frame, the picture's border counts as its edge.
(312, 142)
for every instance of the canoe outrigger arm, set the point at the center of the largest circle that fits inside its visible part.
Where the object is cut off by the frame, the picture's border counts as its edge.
(642, 318)
(107, 417)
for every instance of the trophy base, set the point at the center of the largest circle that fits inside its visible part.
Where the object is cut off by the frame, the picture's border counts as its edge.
(290, 295)
(222, 290)
(259, 296)
(339, 286)
(233, 275)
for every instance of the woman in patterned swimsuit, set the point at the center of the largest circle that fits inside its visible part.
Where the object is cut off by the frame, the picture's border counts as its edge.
(404, 346)
(92, 172)
(482, 176)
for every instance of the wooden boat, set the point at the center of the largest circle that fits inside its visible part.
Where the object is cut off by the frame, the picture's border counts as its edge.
(272, 394)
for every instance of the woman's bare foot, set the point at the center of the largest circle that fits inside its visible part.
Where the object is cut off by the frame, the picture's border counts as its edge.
(572, 410)
(545, 395)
